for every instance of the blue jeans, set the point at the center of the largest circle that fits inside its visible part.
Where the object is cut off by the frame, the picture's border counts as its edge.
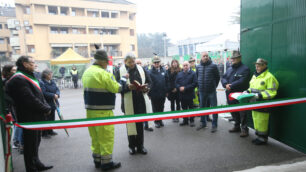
(212, 98)
(18, 135)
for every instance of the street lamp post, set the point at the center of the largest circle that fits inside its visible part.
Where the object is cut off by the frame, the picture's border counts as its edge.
(101, 33)
(165, 41)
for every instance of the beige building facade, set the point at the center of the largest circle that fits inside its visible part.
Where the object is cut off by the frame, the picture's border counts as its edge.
(46, 28)
(6, 13)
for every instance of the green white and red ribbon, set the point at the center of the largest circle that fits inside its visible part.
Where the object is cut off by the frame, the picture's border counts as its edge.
(76, 123)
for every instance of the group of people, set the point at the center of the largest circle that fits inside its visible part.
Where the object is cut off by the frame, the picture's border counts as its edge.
(74, 73)
(142, 91)
(30, 99)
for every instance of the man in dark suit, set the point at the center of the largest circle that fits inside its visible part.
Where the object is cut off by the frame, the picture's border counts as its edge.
(30, 106)
(185, 82)
(236, 79)
(158, 91)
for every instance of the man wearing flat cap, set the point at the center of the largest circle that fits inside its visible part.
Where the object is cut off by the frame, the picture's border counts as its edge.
(100, 87)
(264, 85)
(236, 79)
(158, 89)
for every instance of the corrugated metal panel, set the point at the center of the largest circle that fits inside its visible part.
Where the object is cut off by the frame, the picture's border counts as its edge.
(288, 8)
(255, 12)
(279, 35)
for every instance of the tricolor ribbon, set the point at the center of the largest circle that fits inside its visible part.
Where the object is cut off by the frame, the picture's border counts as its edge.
(76, 123)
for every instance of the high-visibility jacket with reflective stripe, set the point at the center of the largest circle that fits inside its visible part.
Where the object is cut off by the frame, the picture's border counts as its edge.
(265, 84)
(99, 88)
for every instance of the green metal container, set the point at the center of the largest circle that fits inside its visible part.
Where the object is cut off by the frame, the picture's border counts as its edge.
(276, 31)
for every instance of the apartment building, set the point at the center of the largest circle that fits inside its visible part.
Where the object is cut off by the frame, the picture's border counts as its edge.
(46, 28)
(5, 48)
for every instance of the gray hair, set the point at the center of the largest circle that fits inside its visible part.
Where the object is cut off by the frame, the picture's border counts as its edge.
(45, 73)
(129, 56)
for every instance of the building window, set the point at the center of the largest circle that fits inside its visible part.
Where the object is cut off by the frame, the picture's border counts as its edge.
(73, 12)
(26, 22)
(132, 32)
(109, 31)
(93, 13)
(64, 11)
(64, 31)
(29, 29)
(1, 40)
(31, 48)
(75, 31)
(96, 31)
(132, 47)
(131, 16)
(57, 51)
(54, 30)
(82, 50)
(105, 14)
(0, 26)
(26, 10)
(114, 14)
(5, 26)
(52, 10)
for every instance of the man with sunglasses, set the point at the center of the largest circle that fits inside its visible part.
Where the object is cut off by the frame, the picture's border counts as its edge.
(208, 80)
(158, 89)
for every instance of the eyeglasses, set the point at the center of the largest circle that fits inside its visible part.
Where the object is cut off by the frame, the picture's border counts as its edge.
(205, 55)
(156, 62)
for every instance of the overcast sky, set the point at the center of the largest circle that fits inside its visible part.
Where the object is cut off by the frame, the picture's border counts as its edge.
(184, 18)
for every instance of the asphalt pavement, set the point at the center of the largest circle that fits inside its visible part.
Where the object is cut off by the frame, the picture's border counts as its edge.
(171, 148)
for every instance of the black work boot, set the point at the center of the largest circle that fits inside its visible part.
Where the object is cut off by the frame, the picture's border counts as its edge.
(110, 166)
(97, 160)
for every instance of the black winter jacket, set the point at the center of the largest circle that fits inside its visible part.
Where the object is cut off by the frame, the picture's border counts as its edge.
(238, 76)
(187, 80)
(208, 77)
(49, 89)
(171, 84)
(29, 100)
(158, 86)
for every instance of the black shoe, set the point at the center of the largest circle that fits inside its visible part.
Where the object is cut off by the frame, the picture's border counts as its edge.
(148, 128)
(175, 120)
(161, 123)
(209, 119)
(110, 166)
(201, 126)
(183, 123)
(52, 133)
(235, 130)
(142, 151)
(157, 125)
(43, 167)
(46, 136)
(213, 129)
(20, 149)
(258, 142)
(192, 124)
(231, 119)
(132, 151)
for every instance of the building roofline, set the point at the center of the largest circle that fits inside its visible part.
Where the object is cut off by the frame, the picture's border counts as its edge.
(113, 1)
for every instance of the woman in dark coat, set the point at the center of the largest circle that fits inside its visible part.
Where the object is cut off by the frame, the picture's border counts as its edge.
(51, 93)
(173, 94)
